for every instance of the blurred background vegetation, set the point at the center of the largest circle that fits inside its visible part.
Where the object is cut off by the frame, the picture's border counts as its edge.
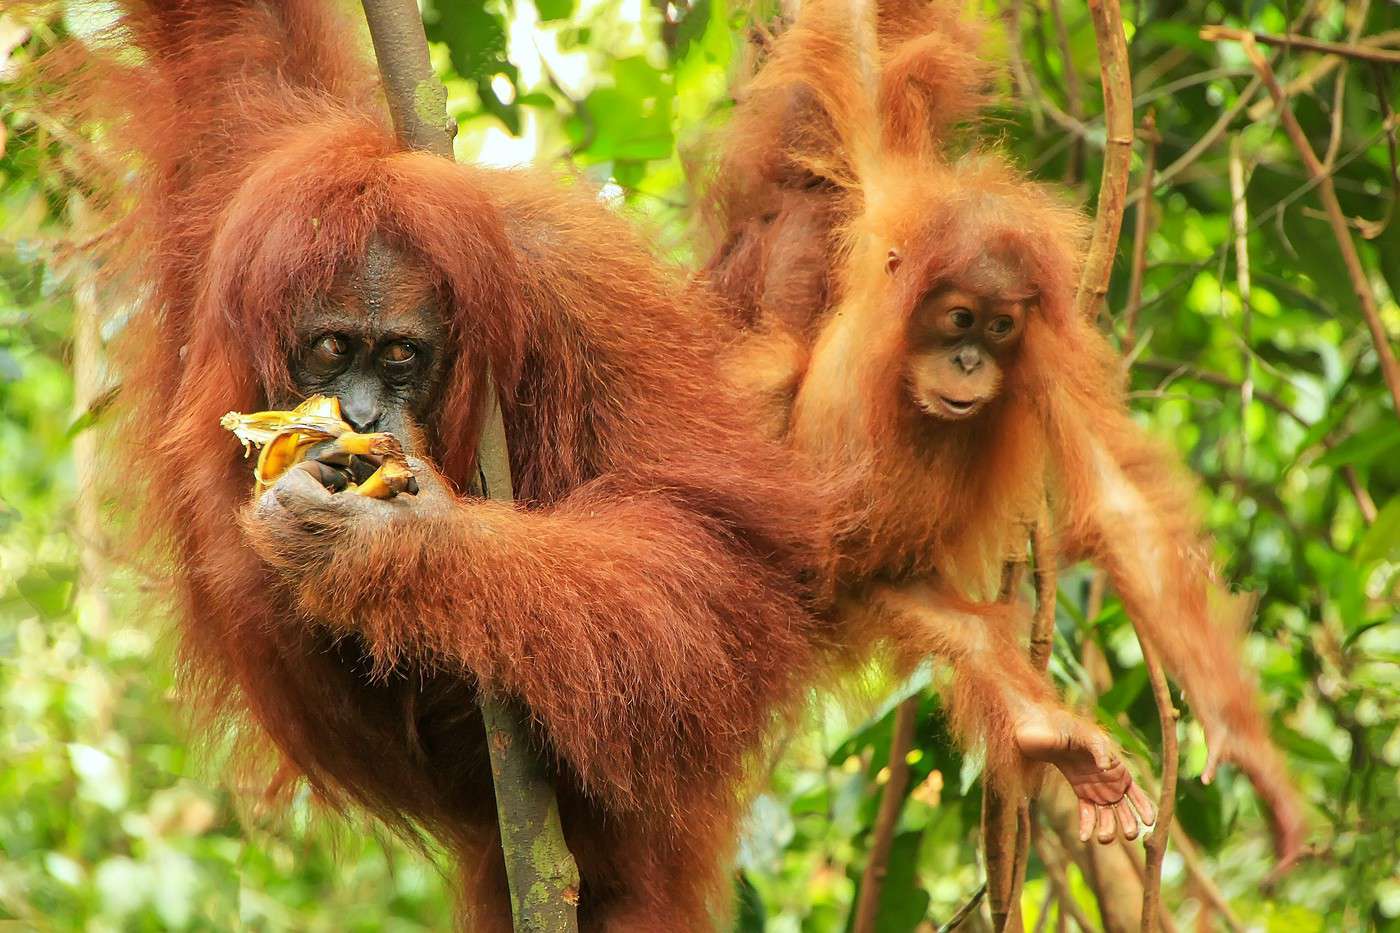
(112, 818)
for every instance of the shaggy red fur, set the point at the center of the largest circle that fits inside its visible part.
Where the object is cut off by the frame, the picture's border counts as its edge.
(642, 599)
(949, 502)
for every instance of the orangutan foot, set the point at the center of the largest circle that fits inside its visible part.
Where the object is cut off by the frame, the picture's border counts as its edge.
(1110, 803)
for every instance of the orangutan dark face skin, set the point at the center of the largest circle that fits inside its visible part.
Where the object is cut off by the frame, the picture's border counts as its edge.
(377, 342)
(962, 341)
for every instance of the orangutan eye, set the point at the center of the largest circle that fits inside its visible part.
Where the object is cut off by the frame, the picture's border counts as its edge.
(399, 354)
(962, 318)
(328, 355)
(1002, 325)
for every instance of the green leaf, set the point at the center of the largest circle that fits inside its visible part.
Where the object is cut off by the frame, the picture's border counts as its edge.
(49, 590)
(1364, 448)
(1303, 747)
(1201, 810)
(1124, 691)
(903, 903)
(475, 37)
(1382, 539)
(752, 916)
(554, 9)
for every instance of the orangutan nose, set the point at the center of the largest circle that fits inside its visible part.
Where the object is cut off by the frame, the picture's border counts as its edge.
(362, 411)
(969, 359)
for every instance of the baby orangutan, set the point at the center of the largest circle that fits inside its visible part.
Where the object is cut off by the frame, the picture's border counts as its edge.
(953, 390)
(949, 391)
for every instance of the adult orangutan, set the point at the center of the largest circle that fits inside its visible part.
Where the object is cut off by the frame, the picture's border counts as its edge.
(643, 601)
(944, 381)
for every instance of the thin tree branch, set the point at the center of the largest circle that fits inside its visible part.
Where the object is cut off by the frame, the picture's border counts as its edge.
(872, 880)
(1208, 139)
(1390, 368)
(1041, 641)
(1054, 861)
(1322, 68)
(1239, 219)
(1174, 369)
(1021, 77)
(543, 878)
(1046, 584)
(999, 827)
(1227, 117)
(1113, 187)
(1156, 845)
(965, 910)
(1205, 885)
(1365, 53)
(1358, 15)
(1142, 228)
(1074, 91)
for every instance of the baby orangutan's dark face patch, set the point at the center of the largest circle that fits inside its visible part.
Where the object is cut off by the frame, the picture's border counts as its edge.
(962, 342)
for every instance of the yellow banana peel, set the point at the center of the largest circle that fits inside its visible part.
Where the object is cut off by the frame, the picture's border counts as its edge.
(286, 436)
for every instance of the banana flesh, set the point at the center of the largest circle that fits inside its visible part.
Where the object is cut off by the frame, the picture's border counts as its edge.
(286, 436)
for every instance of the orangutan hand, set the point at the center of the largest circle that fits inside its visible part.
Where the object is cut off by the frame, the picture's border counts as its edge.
(301, 522)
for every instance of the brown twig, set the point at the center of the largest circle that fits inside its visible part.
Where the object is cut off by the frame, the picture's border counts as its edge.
(1239, 219)
(1174, 369)
(1113, 186)
(1000, 826)
(1390, 368)
(1142, 228)
(1042, 638)
(1074, 91)
(1324, 66)
(1208, 139)
(1205, 885)
(1156, 844)
(543, 878)
(872, 880)
(1227, 117)
(1021, 77)
(1365, 53)
(1054, 861)
(1046, 586)
(965, 910)
(1358, 14)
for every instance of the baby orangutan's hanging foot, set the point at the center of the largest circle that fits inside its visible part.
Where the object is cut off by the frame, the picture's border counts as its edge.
(1109, 801)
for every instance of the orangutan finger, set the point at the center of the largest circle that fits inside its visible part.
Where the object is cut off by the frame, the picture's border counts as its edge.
(1086, 820)
(1127, 820)
(1107, 826)
(1147, 811)
(328, 475)
(1215, 754)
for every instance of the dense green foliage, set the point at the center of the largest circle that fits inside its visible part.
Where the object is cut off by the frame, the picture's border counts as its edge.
(112, 818)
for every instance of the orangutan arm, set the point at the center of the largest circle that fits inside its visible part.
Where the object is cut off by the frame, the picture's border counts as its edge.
(999, 699)
(628, 626)
(1130, 508)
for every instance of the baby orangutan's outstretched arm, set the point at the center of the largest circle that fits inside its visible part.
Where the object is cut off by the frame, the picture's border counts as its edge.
(1128, 508)
(999, 697)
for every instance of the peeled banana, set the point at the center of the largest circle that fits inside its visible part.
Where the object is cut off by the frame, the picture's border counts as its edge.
(286, 436)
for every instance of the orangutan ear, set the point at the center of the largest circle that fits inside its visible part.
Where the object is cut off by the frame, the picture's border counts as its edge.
(893, 260)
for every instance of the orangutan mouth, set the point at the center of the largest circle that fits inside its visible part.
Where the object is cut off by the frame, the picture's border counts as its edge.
(959, 408)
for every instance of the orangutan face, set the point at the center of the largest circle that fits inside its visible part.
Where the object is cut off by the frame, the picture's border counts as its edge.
(962, 342)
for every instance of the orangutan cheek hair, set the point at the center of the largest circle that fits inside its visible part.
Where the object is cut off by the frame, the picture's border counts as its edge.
(946, 268)
(641, 600)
